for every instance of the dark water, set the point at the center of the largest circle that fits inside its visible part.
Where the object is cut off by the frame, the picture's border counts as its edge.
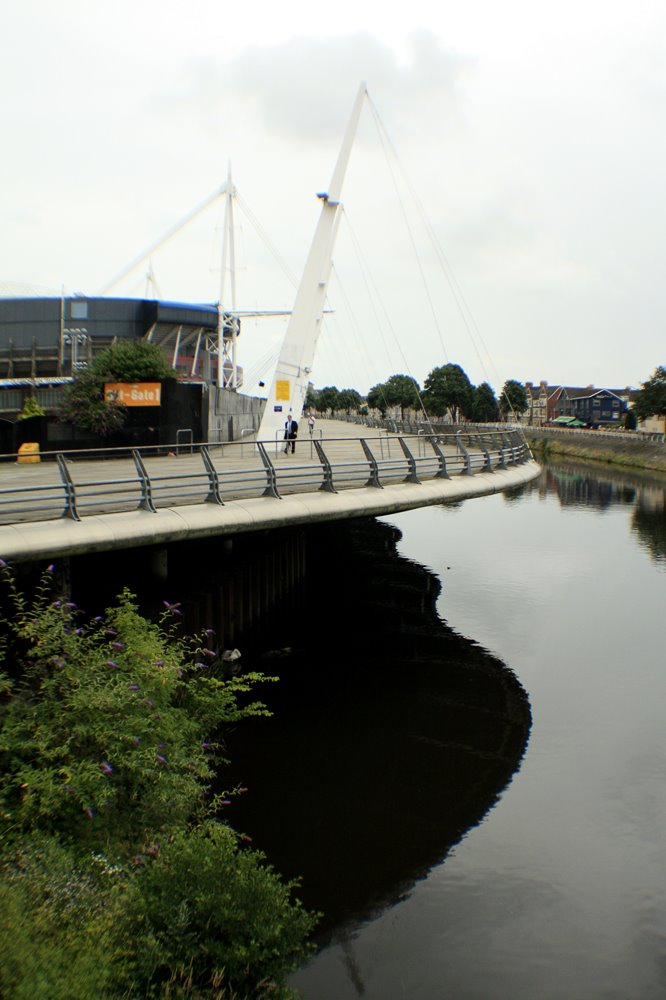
(467, 758)
(479, 807)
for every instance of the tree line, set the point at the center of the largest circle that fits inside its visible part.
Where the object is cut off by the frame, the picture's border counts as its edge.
(447, 389)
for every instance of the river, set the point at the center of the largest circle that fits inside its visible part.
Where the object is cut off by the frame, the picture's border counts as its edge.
(471, 779)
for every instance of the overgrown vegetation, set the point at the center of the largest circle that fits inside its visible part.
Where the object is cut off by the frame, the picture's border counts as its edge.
(118, 875)
(31, 408)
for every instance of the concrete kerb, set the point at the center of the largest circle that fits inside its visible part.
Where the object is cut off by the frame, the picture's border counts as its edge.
(51, 539)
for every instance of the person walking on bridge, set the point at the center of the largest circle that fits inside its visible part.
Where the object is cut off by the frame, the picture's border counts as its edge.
(290, 434)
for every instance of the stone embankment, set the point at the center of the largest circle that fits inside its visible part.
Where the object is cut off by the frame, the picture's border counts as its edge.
(624, 450)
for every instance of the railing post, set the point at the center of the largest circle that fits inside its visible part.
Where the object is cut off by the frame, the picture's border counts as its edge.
(374, 470)
(146, 502)
(214, 495)
(500, 439)
(70, 490)
(467, 471)
(442, 474)
(271, 478)
(412, 477)
(326, 467)
(512, 458)
(487, 464)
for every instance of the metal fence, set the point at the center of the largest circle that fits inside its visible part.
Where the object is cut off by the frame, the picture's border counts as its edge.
(74, 484)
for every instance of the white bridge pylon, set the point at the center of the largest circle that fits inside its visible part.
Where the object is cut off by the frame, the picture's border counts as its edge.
(292, 373)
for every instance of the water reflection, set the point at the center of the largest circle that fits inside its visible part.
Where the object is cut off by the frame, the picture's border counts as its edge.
(392, 736)
(580, 485)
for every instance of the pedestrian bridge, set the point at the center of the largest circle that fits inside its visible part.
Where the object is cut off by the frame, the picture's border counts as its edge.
(70, 503)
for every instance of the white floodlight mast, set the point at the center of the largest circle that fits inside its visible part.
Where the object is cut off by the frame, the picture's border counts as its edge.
(227, 372)
(292, 373)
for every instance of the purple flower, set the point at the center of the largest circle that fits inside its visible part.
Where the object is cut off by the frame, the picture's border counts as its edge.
(149, 703)
(49, 569)
(210, 653)
(110, 632)
(57, 604)
(160, 759)
(112, 664)
(89, 813)
(159, 663)
(209, 631)
(3, 564)
(70, 604)
(225, 802)
(106, 768)
(173, 608)
(134, 687)
(118, 645)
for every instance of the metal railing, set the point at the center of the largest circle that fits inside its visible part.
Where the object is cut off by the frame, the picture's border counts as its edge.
(76, 484)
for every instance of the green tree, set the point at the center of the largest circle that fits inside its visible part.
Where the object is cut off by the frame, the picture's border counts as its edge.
(310, 402)
(348, 400)
(83, 402)
(485, 408)
(630, 420)
(398, 390)
(376, 398)
(513, 398)
(448, 389)
(83, 405)
(133, 361)
(327, 399)
(403, 391)
(651, 400)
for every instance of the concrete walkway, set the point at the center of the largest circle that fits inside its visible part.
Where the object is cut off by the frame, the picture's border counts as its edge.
(109, 492)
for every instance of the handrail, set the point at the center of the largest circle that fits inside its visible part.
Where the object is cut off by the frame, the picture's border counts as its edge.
(79, 483)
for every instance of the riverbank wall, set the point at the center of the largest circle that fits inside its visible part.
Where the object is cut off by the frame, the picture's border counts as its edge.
(622, 450)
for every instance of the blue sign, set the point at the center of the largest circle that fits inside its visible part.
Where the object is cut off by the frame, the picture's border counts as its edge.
(277, 409)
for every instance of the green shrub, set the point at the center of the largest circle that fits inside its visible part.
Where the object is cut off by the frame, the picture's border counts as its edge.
(116, 871)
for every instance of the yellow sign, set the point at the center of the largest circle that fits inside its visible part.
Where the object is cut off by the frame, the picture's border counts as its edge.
(282, 389)
(133, 393)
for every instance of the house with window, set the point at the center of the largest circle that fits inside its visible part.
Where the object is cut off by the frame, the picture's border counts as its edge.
(593, 407)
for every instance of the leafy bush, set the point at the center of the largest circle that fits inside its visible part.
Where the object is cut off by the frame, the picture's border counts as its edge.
(31, 408)
(115, 867)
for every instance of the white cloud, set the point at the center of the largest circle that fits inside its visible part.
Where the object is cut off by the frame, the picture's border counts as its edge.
(531, 133)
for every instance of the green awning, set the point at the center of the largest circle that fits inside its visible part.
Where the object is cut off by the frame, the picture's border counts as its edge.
(569, 421)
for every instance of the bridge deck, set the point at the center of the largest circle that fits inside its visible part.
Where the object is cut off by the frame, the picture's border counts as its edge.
(74, 503)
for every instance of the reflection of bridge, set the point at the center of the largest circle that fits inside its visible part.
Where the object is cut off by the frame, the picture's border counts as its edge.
(73, 503)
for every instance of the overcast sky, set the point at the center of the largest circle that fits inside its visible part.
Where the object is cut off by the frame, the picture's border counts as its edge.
(526, 137)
